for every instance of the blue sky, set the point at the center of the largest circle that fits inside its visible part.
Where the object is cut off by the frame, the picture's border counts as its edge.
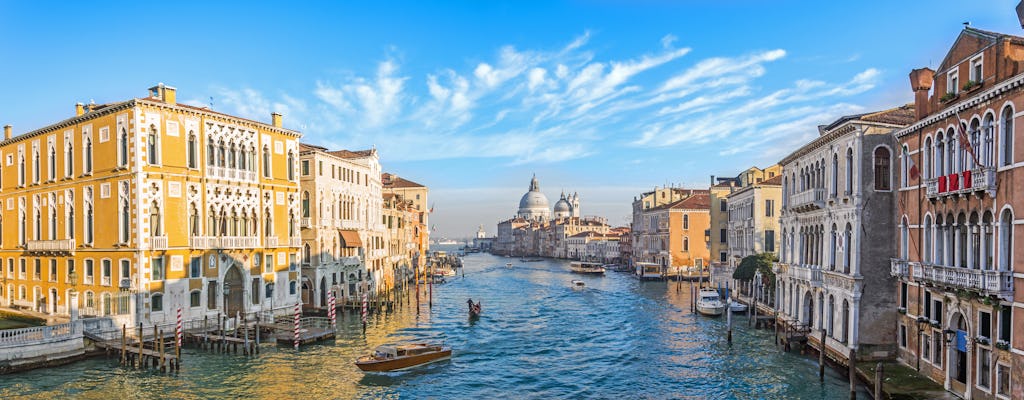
(606, 98)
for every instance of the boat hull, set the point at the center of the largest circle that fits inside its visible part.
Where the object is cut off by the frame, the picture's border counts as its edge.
(403, 363)
(711, 311)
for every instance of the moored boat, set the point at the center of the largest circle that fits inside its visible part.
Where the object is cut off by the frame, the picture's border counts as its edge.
(581, 267)
(737, 307)
(648, 271)
(396, 358)
(710, 303)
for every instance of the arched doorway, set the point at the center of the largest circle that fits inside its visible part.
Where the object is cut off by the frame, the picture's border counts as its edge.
(307, 291)
(807, 314)
(323, 291)
(846, 321)
(351, 285)
(958, 366)
(233, 291)
(51, 308)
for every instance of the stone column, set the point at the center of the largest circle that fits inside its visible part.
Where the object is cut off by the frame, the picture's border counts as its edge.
(983, 258)
(956, 245)
(73, 305)
(972, 231)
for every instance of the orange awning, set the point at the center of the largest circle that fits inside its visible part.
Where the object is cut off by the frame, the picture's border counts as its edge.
(350, 239)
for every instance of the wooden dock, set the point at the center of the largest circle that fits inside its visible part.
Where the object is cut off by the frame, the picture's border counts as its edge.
(311, 330)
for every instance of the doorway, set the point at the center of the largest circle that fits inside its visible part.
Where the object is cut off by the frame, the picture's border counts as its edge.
(234, 289)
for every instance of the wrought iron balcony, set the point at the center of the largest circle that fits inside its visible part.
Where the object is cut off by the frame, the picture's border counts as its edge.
(808, 200)
(985, 282)
(51, 246)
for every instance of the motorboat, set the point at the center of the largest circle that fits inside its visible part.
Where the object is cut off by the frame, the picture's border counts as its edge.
(737, 307)
(578, 284)
(710, 303)
(581, 267)
(648, 271)
(508, 265)
(401, 357)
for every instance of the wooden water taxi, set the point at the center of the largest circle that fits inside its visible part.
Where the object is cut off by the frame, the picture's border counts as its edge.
(396, 358)
(581, 267)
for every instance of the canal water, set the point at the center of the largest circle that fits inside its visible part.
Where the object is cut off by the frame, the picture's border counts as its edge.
(537, 338)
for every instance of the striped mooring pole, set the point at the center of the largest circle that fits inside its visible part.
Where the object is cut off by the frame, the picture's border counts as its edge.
(177, 331)
(365, 301)
(297, 312)
(330, 310)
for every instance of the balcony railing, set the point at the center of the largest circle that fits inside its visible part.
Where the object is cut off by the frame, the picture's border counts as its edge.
(305, 222)
(350, 261)
(51, 246)
(985, 282)
(294, 242)
(158, 242)
(326, 222)
(899, 268)
(223, 242)
(105, 281)
(230, 173)
(807, 273)
(975, 180)
(781, 268)
(349, 224)
(808, 200)
(270, 241)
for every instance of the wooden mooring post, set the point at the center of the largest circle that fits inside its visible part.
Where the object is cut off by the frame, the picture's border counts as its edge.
(879, 375)
(853, 374)
(124, 344)
(821, 356)
(139, 364)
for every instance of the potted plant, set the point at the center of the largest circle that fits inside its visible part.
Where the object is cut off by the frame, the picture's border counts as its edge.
(947, 97)
(981, 340)
(901, 310)
(971, 85)
(934, 323)
(1002, 345)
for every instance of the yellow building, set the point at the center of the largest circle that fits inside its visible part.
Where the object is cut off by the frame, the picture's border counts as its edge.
(416, 196)
(135, 208)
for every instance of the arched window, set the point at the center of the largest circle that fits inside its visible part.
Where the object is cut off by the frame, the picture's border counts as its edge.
(835, 175)
(847, 248)
(52, 212)
(905, 167)
(988, 140)
(926, 237)
(686, 222)
(152, 147)
(940, 155)
(833, 244)
(961, 240)
(35, 167)
(1006, 136)
(305, 204)
(38, 224)
(69, 209)
(926, 159)
(69, 158)
(849, 172)
(51, 165)
(21, 170)
(975, 137)
(1006, 241)
(125, 214)
(306, 253)
(686, 244)
(232, 156)
(952, 152)
(268, 224)
(291, 224)
(221, 150)
(89, 223)
(22, 227)
(266, 161)
(904, 238)
(882, 180)
(154, 220)
(192, 149)
(193, 220)
(211, 154)
(123, 148)
(291, 166)
(988, 250)
(291, 287)
(87, 156)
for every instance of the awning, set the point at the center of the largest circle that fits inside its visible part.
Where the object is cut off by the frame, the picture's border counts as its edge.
(350, 239)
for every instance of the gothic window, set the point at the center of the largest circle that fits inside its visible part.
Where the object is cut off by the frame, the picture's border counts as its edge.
(52, 210)
(51, 164)
(69, 159)
(221, 149)
(926, 159)
(1006, 240)
(849, 172)
(686, 222)
(291, 166)
(88, 217)
(926, 236)
(22, 227)
(291, 224)
(154, 220)
(35, 166)
(1007, 136)
(939, 165)
(122, 145)
(835, 175)
(125, 215)
(988, 141)
(305, 204)
(87, 156)
(211, 154)
(951, 151)
(192, 149)
(21, 170)
(905, 167)
(882, 176)
(268, 224)
(847, 249)
(266, 161)
(232, 157)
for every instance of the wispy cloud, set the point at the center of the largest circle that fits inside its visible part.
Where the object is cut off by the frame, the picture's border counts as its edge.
(544, 106)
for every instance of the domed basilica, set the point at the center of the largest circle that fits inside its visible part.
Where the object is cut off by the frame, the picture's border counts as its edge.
(534, 205)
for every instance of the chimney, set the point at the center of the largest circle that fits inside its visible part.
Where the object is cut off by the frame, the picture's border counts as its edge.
(79, 109)
(7, 132)
(921, 83)
(712, 180)
(164, 93)
(275, 119)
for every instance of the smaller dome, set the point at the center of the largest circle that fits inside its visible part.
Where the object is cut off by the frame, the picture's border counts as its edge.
(562, 206)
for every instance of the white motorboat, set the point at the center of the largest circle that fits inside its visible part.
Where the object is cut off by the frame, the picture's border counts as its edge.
(580, 267)
(508, 265)
(710, 303)
(737, 307)
(578, 284)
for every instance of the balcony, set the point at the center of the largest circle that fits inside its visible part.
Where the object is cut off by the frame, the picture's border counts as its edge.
(158, 243)
(350, 261)
(51, 246)
(230, 173)
(985, 282)
(781, 268)
(270, 241)
(807, 273)
(839, 280)
(326, 222)
(808, 200)
(294, 242)
(981, 179)
(305, 222)
(223, 242)
(900, 268)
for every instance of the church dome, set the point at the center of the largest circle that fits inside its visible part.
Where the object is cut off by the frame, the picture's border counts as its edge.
(562, 206)
(534, 204)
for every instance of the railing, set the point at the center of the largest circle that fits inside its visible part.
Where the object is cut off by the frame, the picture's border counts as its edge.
(270, 241)
(807, 273)
(305, 222)
(294, 242)
(39, 334)
(973, 180)
(781, 268)
(899, 268)
(987, 282)
(202, 242)
(808, 200)
(223, 242)
(350, 261)
(326, 222)
(105, 281)
(230, 173)
(158, 242)
(59, 245)
(349, 224)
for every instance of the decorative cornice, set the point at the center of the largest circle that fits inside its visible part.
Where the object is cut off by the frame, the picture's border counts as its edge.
(71, 121)
(951, 111)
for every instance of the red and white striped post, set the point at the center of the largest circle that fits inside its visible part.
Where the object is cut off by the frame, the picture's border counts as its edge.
(297, 313)
(330, 311)
(177, 331)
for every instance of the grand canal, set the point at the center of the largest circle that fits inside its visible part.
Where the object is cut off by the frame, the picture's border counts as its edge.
(537, 338)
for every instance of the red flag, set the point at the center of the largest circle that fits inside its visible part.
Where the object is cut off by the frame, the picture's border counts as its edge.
(913, 172)
(965, 142)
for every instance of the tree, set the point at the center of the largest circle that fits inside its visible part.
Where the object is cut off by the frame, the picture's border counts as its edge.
(759, 263)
